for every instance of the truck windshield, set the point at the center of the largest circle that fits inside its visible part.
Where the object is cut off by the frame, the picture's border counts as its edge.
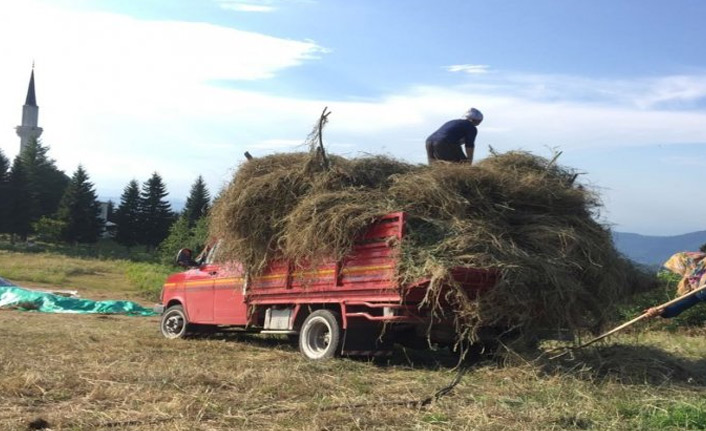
(212, 252)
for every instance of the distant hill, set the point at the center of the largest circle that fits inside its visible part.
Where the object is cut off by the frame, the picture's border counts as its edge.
(655, 250)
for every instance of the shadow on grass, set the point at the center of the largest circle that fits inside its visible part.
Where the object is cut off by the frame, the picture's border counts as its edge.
(430, 359)
(629, 364)
(401, 356)
(252, 338)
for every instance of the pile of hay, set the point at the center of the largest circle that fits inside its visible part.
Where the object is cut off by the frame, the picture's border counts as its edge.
(522, 215)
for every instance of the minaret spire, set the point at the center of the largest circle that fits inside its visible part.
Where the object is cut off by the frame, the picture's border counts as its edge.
(31, 97)
(29, 130)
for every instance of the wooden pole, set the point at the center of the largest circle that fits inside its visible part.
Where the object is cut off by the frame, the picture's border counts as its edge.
(631, 322)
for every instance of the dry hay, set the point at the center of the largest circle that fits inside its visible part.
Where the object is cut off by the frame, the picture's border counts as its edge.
(522, 215)
(630, 363)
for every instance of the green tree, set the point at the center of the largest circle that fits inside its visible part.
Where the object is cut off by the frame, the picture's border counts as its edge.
(156, 215)
(183, 236)
(4, 166)
(4, 191)
(48, 229)
(46, 183)
(703, 248)
(197, 203)
(20, 202)
(79, 210)
(127, 216)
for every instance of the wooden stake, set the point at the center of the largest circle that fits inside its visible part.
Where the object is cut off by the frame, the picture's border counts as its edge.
(322, 120)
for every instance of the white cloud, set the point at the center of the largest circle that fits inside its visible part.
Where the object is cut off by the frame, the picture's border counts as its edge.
(125, 97)
(673, 90)
(471, 69)
(241, 6)
(256, 5)
(642, 93)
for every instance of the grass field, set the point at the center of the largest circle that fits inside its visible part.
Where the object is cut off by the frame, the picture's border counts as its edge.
(93, 278)
(90, 372)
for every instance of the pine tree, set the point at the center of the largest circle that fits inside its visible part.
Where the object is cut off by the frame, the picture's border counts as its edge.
(46, 183)
(20, 202)
(4, 191)
(127, 216)
(79, 210)
(4, 166)
(197, 204)
(156, 214)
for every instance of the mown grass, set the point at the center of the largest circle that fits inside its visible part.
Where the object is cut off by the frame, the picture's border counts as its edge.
(92, 277)
(89, 372)
(98, 372)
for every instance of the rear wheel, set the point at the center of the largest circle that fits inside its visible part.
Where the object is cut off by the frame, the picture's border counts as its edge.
(174, 323)
(320, 335)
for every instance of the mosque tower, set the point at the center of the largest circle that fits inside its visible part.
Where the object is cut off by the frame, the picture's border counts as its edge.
(30, 115)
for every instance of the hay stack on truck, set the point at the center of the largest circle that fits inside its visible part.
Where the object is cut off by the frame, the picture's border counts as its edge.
(354, 306)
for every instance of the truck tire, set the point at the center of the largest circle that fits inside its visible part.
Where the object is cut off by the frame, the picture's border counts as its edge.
(174, 323)
(320, 335)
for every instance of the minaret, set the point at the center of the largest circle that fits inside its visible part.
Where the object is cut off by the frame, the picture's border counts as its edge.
(30, 115)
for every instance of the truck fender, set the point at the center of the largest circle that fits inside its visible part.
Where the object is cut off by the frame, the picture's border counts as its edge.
(302, 311)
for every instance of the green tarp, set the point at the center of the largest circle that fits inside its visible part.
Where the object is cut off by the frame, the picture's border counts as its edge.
(23, 299)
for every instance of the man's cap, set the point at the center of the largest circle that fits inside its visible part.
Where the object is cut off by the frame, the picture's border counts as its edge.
(474, 115)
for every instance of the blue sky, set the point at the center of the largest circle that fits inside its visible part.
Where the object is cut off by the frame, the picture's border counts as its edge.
(185, 87)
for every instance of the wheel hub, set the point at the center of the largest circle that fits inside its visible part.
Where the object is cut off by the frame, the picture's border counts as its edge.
(319, 337)
(174, 325)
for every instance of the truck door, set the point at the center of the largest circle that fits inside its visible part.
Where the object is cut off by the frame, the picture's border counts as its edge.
(229, 306)
(198, 292)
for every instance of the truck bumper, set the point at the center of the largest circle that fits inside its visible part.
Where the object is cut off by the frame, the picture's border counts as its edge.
(159, 308)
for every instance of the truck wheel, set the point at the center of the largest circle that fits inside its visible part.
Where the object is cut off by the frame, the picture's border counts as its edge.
(320, 335)
(174, 323)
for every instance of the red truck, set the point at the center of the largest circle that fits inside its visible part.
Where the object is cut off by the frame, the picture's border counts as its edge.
(355, 306)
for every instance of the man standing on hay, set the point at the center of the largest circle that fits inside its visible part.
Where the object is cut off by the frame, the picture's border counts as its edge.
(445, 143)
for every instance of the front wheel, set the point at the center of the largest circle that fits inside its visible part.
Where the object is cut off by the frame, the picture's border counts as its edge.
(174, 323)
(320, 335)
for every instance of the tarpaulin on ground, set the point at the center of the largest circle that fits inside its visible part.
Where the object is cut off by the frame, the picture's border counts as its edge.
(24, 299)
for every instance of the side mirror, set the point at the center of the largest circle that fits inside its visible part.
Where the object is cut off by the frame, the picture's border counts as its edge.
(184, 258)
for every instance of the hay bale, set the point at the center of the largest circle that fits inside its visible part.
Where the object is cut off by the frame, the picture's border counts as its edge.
(516, 213)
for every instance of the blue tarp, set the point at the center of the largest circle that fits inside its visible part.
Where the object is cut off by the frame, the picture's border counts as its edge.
(12, 296)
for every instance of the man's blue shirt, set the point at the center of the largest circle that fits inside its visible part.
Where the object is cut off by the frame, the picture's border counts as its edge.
(455, 132)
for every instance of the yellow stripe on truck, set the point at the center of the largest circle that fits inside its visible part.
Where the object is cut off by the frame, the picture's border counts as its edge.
(366, 268)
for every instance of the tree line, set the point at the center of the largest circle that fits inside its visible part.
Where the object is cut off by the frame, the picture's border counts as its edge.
(37, 199)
